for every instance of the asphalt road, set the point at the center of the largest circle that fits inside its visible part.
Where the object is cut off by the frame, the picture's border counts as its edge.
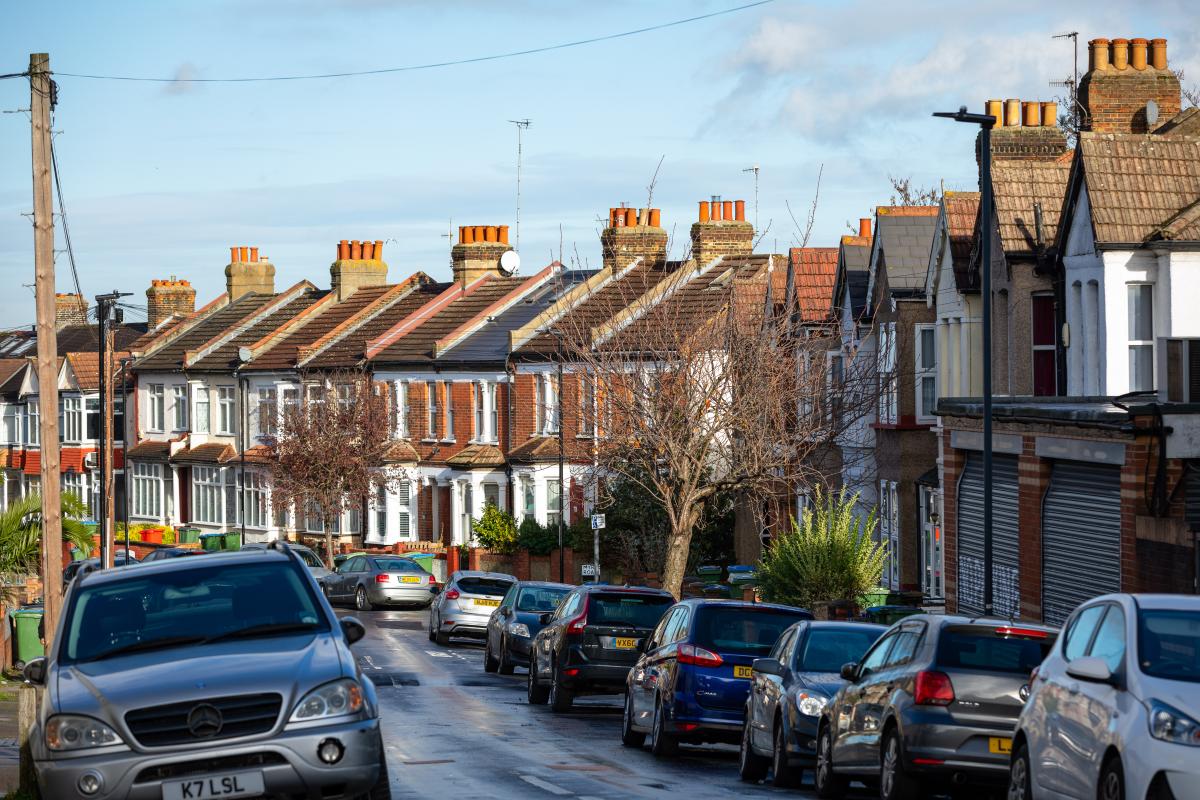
(453, 731)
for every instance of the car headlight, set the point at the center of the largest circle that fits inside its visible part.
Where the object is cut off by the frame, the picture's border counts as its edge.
(811, 705)
(337, 699)
(67, 732)
(518, 629)
(1172, 725)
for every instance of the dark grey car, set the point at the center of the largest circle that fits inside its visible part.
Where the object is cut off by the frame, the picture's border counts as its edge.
(934, 702)
(513, 626)
(380, 581)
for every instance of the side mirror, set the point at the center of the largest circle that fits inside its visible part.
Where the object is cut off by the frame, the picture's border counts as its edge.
(35, 671)
(506, 611)
(435, 589)
(545, 618)
(850, 671)
(352, 629)
(768, 666)
(1090, 669)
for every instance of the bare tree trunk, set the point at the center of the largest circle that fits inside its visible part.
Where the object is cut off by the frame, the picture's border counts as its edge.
(678, 549)
(328, 543)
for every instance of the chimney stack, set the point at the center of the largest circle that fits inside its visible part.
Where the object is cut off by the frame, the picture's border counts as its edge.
(69, 309)
(247, 274)
(1025, 131)
(169, 297)
(478, 251)
(721, 230)
(1123, 77)
(358, 264)
(634, 233)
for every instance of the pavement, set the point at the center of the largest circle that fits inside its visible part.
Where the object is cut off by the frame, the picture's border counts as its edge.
(452, 730)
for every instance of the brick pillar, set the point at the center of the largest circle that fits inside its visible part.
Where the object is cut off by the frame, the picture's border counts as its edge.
(452, 561)
(521, 565)
(1033, 479)
(473, 558)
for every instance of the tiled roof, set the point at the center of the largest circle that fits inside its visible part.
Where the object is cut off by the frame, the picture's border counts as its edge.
(854, 257)
(1185, 123)
(170, 357)
(1142, 187)
(1017, 187)
(478, 455)
(68, 339)
(814, 272)
(225, 357)
(86, 367)
(150, 449)
(10, 370)
(403, 453)
(212, 453)
(535, 448)
(904, 234)
(348, 349)
(283, 353)
(961, 210)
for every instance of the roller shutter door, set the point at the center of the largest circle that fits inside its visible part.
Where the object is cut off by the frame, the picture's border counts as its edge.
(1081, 536)
(1005, 565)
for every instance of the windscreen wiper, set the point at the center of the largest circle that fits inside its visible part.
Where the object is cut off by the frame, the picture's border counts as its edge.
(263, 630)
(152, 644)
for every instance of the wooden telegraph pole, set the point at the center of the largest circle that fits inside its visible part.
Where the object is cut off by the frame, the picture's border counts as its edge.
(40, 90)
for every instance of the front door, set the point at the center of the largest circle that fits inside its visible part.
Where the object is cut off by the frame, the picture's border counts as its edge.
(932, 557)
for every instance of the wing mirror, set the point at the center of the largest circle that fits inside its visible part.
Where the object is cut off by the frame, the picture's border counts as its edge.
(35, 671)
(1091, 669)
(768, 666)
(352, 629)
(850, 671)
(545, 618)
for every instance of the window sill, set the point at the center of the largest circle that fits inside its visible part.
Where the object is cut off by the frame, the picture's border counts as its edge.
(449, 441)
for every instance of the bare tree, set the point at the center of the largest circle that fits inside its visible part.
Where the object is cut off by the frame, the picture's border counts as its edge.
(331, 453)
(905, 193)
(1190, 92)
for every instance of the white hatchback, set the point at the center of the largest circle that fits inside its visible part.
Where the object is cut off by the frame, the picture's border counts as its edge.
(1114, 710)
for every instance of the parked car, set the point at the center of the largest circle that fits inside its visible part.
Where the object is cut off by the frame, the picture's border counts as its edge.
(311, 560)
(691, 682)
(1114, 711)
(516, 621)
(466, 604)
(373, 581)
(789, 690)
(77, 568)
(240, 677)
(161, 553)
(935, 701)
(590, 642)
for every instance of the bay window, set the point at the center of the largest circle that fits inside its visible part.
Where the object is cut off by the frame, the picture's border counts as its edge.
(553, 498)
(33, 431)
(147, 490)
(886, 361)
(72, 419)
(255, 497)
(207, 495)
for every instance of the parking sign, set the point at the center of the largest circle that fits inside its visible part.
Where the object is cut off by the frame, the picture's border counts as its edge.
(597, 522)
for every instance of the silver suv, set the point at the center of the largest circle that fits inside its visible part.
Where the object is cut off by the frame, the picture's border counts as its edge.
(219, 677)
(466, 605)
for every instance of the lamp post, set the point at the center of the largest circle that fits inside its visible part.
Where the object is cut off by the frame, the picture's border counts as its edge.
(558, 335)
(107, 314)
(985, 123)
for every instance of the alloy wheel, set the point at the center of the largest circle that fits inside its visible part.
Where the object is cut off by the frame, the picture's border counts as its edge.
(360, 599)
(1018, 778)
(887, 773)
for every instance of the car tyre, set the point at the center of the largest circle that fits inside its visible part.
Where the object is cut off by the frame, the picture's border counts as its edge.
(443, 639)
(829, 785)
(489, 662)
(662, 743)
(360, 600)
(630, 737)
(561, 698)
(894, 782)
(504, 664)
(534, 691)
(752, 767)
(1112, 780)
(382, 790)
(1019, 783)
(784, 775)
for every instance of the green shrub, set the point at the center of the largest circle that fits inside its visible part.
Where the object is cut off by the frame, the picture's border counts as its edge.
(538, 539)
(496, 530)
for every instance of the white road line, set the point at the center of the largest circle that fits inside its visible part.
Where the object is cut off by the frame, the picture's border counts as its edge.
(438, 654)
(544, 785)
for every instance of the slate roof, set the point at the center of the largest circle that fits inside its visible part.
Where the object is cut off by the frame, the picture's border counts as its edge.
(905, 235)
(225, 357)
(1017, 186)
(170, 357)
(814, 273)
(854, 257)
(69, 339)
(1142, 188)
(283, 353)
(349, 349)
(10, 373)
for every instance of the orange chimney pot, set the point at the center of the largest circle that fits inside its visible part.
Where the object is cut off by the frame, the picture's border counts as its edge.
(703, 211)
(727, 211)
(368, 251)
(1031, 114)
(1137, 54)
(355, 250)
(715, 211)
(1049, 114)
(1120, 54)
(1158, 53)
(503, 234)
(630, 217)
(1098, 55)
(343, 250)
(864, 225)
(995, 108)
(656, 218)
(233, 255)
(739, 210)
(379, 249)
(244, 254)
(480, 236)
(254, 254)
(1012, 113)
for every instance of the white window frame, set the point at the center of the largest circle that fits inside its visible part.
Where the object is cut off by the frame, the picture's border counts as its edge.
(267, 416)
(147, 490)
(432, 416)
(72, 415)
(552, 502)
(404, 490)
(76, 483)
(254, 499)
(493, 412)
(156, 400)
(12, 424)
(202, 402)
(226, 410)
(587, 405)
(889, 534)
(478, 393)
(448, 406)
(922, 374)
(1143, 347)
(400, 408)
(208, 495)
(33, 420)
(179, 406)
(886, 361)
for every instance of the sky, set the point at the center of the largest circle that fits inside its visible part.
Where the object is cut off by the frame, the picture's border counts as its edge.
(160, 179)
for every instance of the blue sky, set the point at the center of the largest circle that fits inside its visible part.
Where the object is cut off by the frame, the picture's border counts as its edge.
(160, 179)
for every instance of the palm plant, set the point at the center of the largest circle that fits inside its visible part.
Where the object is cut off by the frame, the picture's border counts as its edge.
(827, 556)
(21, 532)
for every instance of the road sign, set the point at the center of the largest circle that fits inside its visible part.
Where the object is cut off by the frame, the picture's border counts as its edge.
(588, 570)
(597, 522)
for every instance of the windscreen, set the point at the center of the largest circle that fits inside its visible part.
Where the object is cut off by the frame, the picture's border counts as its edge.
(488, 587)
(827, 649)
(627, 610)
(398, 565)
(540, 598)
(309, 558)
(1169, 644)
(183, 607)
(982, 648)
(741, 630)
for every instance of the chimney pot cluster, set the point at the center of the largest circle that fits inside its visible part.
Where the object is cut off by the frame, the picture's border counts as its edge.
(169, 283)
(360, 250)
(238, 255)
(483, 234)
(1014, 113)
(631, 217)
(1121, 54)
(718, 210)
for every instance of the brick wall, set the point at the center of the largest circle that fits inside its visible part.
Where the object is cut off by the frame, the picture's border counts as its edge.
(1116, 99)
(1033, 477)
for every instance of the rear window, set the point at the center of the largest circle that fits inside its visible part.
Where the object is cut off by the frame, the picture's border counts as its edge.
(739, 630)
(540, 598)
(488, 587)
(827, 649)
(309, 558)
(397, 565)
(627, 610)
(984, 649)
(1169, 644)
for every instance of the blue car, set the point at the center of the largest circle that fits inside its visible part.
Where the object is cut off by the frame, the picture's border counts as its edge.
(691, 682)
(516, 621)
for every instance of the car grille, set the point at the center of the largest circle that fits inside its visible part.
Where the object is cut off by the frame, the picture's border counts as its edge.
(241, 715)
(206, 765)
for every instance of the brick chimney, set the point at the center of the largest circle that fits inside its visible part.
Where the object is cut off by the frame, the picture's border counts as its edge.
(69, 309)
(721, 230)
(1024, 131)
(634, 233)
(358, 264)
(246, 273)
(166, 298)
(478, 251)
(1123, 76)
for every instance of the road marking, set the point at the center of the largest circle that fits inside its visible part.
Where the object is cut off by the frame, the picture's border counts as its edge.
(544, 785)
(438, 654)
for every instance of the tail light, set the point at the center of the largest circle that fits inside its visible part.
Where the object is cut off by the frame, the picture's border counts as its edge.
(575, 627)
(933, 689)
(698, 656)
(452, 594)
(1024, 633)
(381, 578)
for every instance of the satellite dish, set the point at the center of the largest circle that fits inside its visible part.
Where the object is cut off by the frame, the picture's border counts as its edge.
(1151, 113)
(245, 354)
(510, 262)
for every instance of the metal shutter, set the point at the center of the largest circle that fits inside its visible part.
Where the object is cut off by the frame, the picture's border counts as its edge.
(1006, 596)
(1081, 536)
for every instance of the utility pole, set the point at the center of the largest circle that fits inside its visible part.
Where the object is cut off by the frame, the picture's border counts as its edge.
(522, 125)
(754, 169)
(41, 92)
(108, 315)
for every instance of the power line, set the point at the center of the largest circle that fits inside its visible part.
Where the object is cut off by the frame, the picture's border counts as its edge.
(434, 65)
(62, 215)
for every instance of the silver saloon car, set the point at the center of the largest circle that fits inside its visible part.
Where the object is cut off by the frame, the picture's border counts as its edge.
(380, 581)
(466, 605)
(226, 676)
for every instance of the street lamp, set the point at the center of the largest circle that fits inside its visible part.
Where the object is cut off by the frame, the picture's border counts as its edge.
(985, 123)
(558, 335)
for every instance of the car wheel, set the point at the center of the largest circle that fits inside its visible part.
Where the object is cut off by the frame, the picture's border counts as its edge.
(894, 782)
(489, 662)
(504, 664)
(561, 697)
(360, 600)
(431, 633)
(1019, 783)
(827, 783)
(1112, 780)
(534, 691)
(662, 743)
(630, 737)
(783, 773)
(442, 639)
(751, 766)
(382, 790)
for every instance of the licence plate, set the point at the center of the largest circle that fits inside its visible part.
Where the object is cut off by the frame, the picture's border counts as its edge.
(625, 643)
(492, 603)
(1000, 745)
(743, 672)
(409, 579)
(239, 784)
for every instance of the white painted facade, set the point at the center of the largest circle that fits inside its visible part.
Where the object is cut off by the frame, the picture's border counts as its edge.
(959, 325)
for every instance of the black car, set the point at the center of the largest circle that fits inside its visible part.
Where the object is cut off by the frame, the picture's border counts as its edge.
(84, 566)
(788, 691)
(591, 641)
(518, 619)
(161, 553)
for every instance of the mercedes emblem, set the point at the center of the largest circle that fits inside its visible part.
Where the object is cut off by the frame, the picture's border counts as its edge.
(205, 721)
